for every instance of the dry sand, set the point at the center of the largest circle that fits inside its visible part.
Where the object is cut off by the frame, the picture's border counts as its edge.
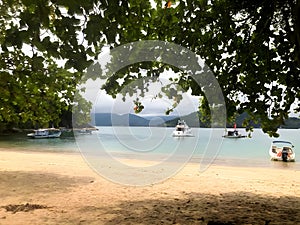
(60, 188)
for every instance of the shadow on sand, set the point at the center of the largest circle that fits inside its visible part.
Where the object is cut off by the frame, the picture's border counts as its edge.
(28, 183)
(235, 208)
(232, 208)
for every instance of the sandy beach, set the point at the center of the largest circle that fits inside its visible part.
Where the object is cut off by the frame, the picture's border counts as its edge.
(60, 188)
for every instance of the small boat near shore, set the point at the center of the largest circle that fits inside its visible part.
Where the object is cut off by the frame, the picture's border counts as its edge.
(45, 133)
(182, 130)
(282, 151)
(70, 132)
(83, 131)
(233, 134)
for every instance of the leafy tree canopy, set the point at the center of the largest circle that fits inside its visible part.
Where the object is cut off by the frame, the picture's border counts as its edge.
(253, 48)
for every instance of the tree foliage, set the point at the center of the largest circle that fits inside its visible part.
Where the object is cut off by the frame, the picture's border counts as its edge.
(34, 88)
(253, 48)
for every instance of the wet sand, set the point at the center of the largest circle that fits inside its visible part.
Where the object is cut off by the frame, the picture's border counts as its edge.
(60, 188)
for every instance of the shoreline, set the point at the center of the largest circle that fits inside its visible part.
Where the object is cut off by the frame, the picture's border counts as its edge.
(232, 153)
(60, 188)
(195, 159)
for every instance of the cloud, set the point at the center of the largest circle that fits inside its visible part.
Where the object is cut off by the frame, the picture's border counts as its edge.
(104, 103)
(152, 106)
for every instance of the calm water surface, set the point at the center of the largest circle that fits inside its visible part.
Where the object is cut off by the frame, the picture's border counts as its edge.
(131, 142)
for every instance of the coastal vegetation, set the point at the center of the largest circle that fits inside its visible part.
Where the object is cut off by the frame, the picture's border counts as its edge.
(252, 47)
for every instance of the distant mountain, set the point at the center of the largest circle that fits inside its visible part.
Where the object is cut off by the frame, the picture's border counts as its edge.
(159, 120)
(192, 120)
(240, 119)
(109, 119)
(291, 123)
(164, 118)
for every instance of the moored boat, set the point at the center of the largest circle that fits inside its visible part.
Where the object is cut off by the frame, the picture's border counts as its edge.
(282, 151)
(84, 131)
(45, 133)
(182, 130)
(233, 134)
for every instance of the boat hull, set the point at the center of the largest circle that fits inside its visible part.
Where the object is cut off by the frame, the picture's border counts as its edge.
(282, 151)
(43, 136)
(45, 133)
(84, 131)
(280, 159)
(239, 136)
(181, 134)
(276, 157)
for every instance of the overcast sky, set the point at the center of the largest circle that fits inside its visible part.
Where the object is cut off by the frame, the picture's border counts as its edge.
(157, 106)
(104, 103)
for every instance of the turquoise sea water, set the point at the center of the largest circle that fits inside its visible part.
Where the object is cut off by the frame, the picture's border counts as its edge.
(158, 143)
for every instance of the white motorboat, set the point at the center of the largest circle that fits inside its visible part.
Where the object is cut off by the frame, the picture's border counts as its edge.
(45, 133)
(182, 130)
(282, 151)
